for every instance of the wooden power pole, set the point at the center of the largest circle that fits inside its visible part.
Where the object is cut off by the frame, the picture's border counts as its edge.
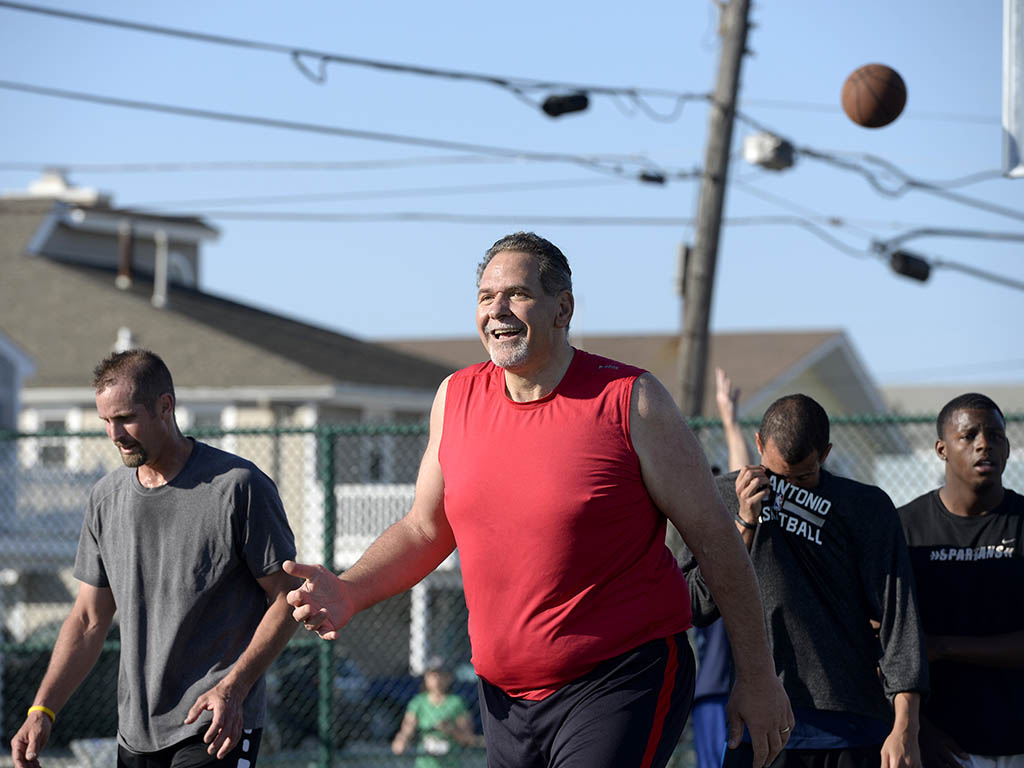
(699, 276)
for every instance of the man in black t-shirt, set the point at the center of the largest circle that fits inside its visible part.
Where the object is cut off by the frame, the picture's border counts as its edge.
(830, 558)
(966, 544)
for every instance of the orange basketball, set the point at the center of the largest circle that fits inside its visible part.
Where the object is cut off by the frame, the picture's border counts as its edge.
(874, 95)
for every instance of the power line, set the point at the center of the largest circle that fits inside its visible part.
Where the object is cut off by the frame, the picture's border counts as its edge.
(794, 207)
(470, 218)
(983, 274)
(592, 162)
(265, 165)
(905, 182)
(459, 218)
(518, 86)
(883, 249)
(971, 178)
(384, 193)
(978, 234)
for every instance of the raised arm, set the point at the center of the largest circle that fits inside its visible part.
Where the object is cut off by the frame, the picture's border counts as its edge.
(728, 397)
(680, 483)
(400, 557)
(74, 654)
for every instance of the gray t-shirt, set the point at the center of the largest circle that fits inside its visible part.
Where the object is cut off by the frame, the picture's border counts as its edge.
(182, 562)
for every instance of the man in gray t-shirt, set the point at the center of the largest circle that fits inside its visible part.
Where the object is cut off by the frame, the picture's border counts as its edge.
(186, 543)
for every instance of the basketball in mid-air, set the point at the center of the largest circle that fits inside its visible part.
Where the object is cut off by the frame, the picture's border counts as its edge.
(874, 95)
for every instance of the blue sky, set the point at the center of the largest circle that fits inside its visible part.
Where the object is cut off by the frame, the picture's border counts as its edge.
(381, 276)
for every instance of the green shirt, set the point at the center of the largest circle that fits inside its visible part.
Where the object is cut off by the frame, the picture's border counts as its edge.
(441, 750)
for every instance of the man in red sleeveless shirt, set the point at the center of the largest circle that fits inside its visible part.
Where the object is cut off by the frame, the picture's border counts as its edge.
(555, 471)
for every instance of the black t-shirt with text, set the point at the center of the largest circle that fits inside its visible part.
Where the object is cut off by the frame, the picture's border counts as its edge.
(969, 574)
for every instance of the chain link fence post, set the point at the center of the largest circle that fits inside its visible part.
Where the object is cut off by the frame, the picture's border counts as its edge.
(326, 441)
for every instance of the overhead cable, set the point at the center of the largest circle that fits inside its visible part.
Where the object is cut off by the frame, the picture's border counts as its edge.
(904, 182)
(377, 194)
(519, 86)
(302, 56)
(590, 162)
(269, 165)
(471, 218)
(908, 264)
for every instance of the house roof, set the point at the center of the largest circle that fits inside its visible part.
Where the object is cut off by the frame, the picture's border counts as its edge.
(760, 363)
(67, 318)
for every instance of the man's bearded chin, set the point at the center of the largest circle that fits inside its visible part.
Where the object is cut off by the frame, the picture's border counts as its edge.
(135, 459)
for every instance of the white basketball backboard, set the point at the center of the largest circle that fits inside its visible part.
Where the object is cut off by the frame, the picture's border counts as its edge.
(1013, 88)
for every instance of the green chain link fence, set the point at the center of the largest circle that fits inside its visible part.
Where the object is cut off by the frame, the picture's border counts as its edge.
(331, 704)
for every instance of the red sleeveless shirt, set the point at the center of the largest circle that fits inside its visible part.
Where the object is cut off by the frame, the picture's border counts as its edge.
(563, 554)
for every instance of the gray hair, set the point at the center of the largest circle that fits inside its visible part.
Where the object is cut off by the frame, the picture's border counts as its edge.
(552, 266)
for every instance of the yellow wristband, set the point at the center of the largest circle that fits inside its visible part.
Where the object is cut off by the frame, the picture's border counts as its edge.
(45, 710)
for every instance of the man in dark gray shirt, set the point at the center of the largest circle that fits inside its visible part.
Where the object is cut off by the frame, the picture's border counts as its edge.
(186, 542)
(830, 559)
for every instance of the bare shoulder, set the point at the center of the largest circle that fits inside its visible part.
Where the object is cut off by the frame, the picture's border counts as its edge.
(651, 400)
(657, 428)
(442, 393)
(437, 409)
(671, 460)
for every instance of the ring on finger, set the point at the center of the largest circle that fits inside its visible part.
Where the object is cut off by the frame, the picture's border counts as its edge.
(787, 729)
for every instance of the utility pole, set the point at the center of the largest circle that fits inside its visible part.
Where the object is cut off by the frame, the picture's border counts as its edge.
(699, 277)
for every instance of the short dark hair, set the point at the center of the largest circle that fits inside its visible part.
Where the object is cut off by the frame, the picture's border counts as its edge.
(797, 425)
(147, 374)
(969, 401)
(552, 266)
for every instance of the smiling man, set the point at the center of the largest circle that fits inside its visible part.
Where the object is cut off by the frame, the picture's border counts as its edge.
(967, 547)
(186, 543)
(555, 473)
(830, 559)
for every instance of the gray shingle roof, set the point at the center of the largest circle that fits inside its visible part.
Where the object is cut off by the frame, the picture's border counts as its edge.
(67, 318)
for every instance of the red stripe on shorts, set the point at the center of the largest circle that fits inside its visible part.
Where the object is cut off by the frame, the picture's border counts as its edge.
(664, 702)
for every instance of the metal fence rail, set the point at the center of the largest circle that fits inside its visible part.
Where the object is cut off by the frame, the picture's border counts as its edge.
(330, 703)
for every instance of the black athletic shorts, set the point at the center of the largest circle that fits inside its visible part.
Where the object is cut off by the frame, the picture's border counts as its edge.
(850, 757)
(628, 712)
(191, 753)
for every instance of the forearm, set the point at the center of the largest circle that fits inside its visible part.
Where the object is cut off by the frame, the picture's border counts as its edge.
(739, 453)
(747, 531)
(401, 557)
(907, 713)
(1005, 650)
(75, 653)
(271, 636)
(901, 748)
(405, 733)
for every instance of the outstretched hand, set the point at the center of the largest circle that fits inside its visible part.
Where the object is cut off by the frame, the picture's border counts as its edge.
(763, 707)
(323, 603)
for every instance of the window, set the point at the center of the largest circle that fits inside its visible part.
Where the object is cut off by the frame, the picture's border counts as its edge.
(53, 451)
